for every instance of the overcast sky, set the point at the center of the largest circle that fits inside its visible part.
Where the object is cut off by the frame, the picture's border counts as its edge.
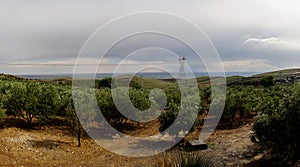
(249, 35)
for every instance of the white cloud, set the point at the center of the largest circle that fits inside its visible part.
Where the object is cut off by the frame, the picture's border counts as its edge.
(270, 40)
(274, 42)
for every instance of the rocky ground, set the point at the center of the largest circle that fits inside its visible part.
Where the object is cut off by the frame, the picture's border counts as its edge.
(234, 147)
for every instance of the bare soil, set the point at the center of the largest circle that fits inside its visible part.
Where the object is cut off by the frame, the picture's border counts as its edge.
(55, 146)
(233, 147)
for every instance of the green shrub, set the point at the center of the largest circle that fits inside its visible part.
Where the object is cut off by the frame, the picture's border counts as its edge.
(168, 117)
(31, 100)
(105, 82)
(239, 102)
(107, 107)
(277, 126)
(2, 112)
(267, 81)
(189, 115)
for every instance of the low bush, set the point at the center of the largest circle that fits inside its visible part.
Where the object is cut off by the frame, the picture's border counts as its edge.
(277, 127)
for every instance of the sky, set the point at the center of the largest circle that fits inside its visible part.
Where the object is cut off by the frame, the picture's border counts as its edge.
(250, 36)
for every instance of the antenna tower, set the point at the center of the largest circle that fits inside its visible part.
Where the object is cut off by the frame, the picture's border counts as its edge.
(182, 60)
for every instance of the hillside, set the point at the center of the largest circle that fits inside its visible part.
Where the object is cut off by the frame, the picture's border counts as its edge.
(279, 72)
(12, 77)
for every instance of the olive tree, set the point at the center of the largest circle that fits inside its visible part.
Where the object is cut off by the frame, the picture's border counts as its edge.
(81, 112)
(31, 100)
(2, 111)
(277, 125)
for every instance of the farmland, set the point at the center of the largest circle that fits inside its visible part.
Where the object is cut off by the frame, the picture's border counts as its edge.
(39, 126)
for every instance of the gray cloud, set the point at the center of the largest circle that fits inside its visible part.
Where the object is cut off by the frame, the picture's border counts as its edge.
(242, 32)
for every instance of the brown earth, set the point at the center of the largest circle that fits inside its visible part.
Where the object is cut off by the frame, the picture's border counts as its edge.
(233, 147)
(55, 146)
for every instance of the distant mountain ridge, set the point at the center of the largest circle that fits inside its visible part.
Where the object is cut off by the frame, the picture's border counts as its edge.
(165, 79)
(154, 75)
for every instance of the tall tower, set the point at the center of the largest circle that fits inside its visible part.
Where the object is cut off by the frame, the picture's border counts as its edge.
(182, 60)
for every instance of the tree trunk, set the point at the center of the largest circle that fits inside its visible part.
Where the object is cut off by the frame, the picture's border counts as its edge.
(78, 138)
(29, 122)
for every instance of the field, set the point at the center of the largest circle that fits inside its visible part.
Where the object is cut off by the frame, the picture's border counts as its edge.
(39, 125)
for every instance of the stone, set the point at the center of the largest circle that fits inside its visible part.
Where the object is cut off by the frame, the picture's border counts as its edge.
(196, 145)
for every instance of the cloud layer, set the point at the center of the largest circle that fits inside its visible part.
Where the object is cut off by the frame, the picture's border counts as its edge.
(249, 36)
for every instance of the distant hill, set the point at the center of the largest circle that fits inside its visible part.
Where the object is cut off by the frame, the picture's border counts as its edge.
(280, 76)
(12, 77)
(171, 82)
(279, 72)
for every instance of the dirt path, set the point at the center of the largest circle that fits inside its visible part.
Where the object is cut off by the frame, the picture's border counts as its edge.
(55, 147)
(233, 147)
